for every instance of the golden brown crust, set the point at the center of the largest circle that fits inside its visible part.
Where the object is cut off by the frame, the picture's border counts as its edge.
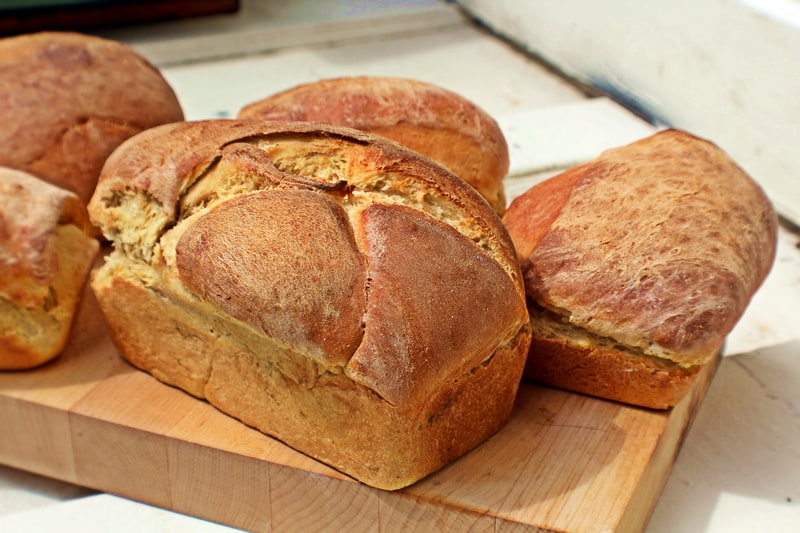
(658, 245)
(322, 284)
(30, 209)
(164, 162)
(430, 291)
(433, 121)
(329, 416)
(597, 371)
(535, 211)
(574, 359)
(70, 99)
(45, 257)
(302, 235)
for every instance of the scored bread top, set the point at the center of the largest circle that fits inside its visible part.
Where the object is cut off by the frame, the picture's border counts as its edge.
(658, 245)
(69, 99)
(344, 246)
(431, 120)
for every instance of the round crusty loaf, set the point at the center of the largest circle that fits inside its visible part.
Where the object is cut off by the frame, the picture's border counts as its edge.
(638, 264)
(69, 99)
(325, 285)
(45, 257)
(433, 121)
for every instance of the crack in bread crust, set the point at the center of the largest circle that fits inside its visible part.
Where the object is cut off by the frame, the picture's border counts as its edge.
(366, 305)
(554, 324)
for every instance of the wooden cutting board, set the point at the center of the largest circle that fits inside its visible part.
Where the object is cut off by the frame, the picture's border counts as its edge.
(564, 462)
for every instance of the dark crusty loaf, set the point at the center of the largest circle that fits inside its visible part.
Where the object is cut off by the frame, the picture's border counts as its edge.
(45, 257)
(326, 286)
(433, 121)
(69, 99)
(638, 264)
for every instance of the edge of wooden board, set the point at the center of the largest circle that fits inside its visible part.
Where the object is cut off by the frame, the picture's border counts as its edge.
(563, 462)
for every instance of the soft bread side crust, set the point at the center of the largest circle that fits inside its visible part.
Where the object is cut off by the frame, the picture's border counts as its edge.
(326, 286)
(45, 256)
(571, 358)
(658, 247)
(428, 119)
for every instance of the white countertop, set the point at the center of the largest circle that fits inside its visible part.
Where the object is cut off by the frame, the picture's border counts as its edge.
(739, 468)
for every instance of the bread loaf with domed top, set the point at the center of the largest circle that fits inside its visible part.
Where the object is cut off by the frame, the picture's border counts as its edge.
(429, 119)
(68, 99)
(326, 286)
(638, 264)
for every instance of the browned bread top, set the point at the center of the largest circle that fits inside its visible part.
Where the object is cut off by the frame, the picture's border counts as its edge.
(46, 253)
(433, 121)
(252, 217)
(30, 210)
(69, 99)
(658, 245)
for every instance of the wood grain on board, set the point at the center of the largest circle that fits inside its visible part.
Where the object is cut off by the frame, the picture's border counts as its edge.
(563, 462)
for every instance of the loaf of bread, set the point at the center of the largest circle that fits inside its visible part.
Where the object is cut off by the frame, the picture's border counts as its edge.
(69, 99)
(433, 121)
(326, 286)
(45, 258)
(638, 264)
